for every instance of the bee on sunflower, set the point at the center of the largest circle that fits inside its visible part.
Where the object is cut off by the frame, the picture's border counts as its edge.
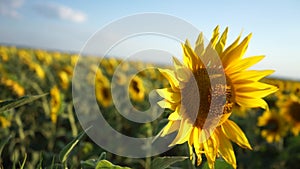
(202, 103)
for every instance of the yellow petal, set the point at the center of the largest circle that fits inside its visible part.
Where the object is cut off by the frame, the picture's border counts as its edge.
(171, 77)
(230, 47)
(243, 64)
(215, 36)
(183, 132)
(170, 127)
(190, 59)
(197, 144)
(234, 133)
(226, 149)
(210, 148)
(176, 114)
(222, 41)
(167, 104)
(250, 93)
(251, 102)
(237, 52)
(250, 75)
(169, 94)
(199, 49)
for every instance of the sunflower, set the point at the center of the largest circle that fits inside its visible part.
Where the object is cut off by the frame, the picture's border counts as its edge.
(102, 88)
(136, 89)
(15, 86)
(55, 103)
(191, 92)
(290, 110)
(64, 79)
(274, 127)
(5, 123)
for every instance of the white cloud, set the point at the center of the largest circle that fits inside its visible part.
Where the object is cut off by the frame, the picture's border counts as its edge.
(60, 12)
(10, 8)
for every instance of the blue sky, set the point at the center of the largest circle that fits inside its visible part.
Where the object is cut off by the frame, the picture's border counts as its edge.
(67, 25)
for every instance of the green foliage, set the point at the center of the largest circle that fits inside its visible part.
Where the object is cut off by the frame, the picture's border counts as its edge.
(165, 162)
(104, 164)
(219, 164)
(10, 104)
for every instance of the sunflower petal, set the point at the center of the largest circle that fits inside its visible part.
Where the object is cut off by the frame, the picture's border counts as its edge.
(237, 52)
(226, 149)
(171, 127)
(199, 49)
(222, 41)
(169, 95)
(252, 102)
(183, 132)
(243, 64)
(171, 77)
(167, 104)
(210, 149)
(250, 75)
(234, 133)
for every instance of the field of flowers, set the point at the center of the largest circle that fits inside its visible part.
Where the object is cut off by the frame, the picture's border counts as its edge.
(45, 133)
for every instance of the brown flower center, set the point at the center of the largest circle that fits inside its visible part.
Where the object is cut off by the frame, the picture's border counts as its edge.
(134, 85)
(272, 125)
(294, 111)
(205, 99)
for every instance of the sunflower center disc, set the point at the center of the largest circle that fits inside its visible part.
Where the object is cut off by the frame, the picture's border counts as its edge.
(295, 111)
(205, 86)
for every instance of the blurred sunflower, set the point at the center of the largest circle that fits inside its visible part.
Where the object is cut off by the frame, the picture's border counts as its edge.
(211, 134)
(136, 89)
(4, 53)
(43, 57)
(103, 95)
(274, 126)
(102, 88)
(55, 103)
(15, 86)
(64, 79)
(290, 110)
(4, 122)
(38, 70)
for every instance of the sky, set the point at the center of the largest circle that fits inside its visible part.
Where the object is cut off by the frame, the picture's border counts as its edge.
(68, 25)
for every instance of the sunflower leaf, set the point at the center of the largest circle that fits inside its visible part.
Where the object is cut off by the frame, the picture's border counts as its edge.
(108, 165)
(65, 152)
(10, 104)
(164, 162)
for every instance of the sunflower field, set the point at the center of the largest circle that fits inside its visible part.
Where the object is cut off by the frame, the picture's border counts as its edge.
(45, 132)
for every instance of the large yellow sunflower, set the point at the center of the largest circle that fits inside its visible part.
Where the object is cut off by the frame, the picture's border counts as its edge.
(274, 126)
(191, 93)
(290, 109)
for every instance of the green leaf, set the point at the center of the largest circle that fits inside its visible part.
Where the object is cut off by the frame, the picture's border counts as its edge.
(219, 164)
(65, 152)
(104, 164)
(3, 143)
(9, 104)
(164, 162)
